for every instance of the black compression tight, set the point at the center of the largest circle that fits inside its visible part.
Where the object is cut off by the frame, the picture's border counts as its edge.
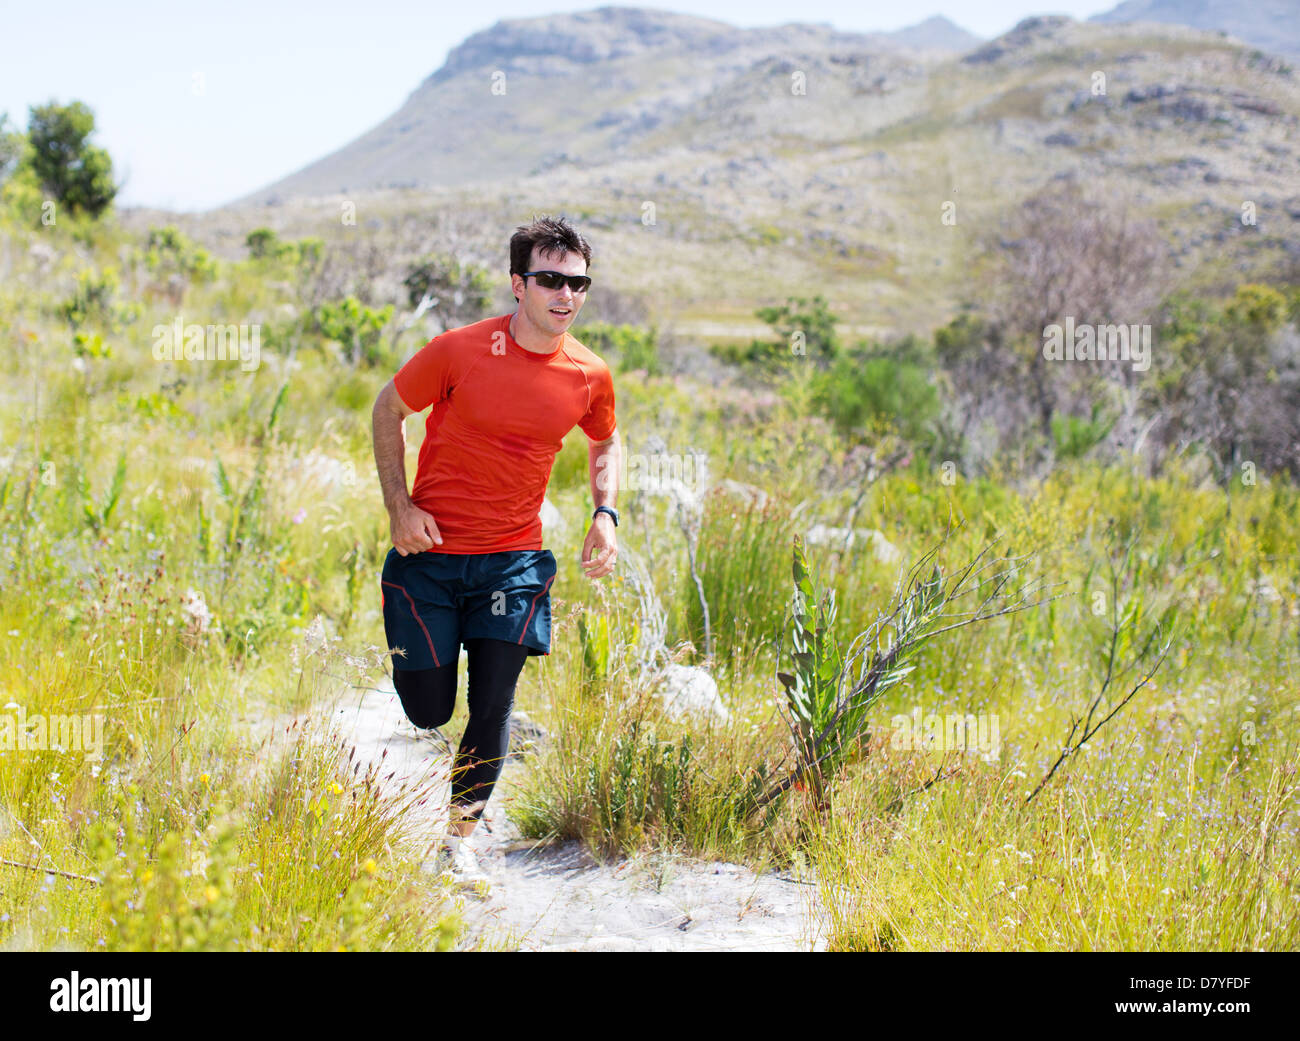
(429, 696)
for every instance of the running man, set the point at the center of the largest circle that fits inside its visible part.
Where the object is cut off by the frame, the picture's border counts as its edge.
(467, 564)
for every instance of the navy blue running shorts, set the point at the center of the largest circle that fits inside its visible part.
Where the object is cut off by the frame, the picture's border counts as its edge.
(434, 601)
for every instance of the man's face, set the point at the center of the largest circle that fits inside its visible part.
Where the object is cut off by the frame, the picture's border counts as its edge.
(550, 310)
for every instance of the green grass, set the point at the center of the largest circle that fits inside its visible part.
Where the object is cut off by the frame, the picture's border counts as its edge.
(208, 825)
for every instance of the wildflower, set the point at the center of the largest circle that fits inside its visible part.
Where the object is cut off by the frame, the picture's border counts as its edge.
(300, 516)
(196, 612)
(370, 867)
(212, 893)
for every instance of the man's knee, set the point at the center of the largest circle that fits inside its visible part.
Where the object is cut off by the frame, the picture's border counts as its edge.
(428, 695)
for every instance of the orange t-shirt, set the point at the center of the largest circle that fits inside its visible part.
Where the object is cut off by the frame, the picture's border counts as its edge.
(499, 417)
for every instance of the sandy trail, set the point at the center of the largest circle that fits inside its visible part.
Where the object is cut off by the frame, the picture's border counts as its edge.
(556, 897)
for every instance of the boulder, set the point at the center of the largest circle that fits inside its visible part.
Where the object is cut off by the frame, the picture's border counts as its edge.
(842, 538)
(690, 690)
(526, 734)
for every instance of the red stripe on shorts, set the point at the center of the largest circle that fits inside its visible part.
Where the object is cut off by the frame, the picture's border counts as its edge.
(534, 608)
(416, 615)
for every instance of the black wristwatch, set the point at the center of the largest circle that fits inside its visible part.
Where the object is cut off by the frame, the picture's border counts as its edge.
(606, 509)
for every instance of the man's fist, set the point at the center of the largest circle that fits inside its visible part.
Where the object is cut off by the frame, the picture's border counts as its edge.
(600, 548)
(412, 530)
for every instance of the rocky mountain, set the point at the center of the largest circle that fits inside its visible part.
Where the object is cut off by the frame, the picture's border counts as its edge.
(1271, 25)
(800, 159)
(610, 75)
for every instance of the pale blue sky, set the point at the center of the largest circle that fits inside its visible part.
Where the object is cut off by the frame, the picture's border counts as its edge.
(285, 83)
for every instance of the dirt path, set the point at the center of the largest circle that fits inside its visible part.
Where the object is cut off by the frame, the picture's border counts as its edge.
(557, 897)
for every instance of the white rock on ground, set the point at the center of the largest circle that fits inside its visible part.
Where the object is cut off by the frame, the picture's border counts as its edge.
(824, 535)
(689, 689)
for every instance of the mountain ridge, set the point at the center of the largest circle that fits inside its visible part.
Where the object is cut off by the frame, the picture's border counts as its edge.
(1272, 25)
(648, 66)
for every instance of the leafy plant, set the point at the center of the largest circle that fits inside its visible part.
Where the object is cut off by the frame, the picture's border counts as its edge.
(595, 641)
(357, 327)
(168, 252)
(1075, 436)
(803, 327)
(97, 516)
(828, 694)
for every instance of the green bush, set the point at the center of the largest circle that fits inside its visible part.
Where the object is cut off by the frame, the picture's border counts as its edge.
(636, 347)
(1074, 436)
(871, 387)
(168, 252)
(804, 329)
(358, 328)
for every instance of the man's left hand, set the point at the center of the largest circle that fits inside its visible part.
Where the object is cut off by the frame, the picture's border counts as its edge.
(600, 549)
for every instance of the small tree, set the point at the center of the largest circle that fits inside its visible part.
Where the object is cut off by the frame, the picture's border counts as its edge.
(1071, 252)
(456, 294)
(77, 174)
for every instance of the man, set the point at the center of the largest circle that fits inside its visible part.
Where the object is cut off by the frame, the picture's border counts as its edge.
(467, 563)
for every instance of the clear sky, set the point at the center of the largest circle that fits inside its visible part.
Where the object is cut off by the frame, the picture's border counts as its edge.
(200, 103)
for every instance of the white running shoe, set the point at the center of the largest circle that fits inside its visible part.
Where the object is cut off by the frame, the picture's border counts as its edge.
(460, 864)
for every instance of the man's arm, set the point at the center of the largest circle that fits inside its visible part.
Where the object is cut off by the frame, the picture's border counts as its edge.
(412, 530)
(604, 460)
(600, 550)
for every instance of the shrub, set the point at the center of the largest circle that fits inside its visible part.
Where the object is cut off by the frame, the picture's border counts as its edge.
(635, 346)
(76, 173)
(873, 386)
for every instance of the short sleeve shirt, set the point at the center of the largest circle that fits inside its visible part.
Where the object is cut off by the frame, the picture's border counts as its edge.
(499, 416)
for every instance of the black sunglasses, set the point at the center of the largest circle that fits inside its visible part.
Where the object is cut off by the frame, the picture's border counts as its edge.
(555, 279)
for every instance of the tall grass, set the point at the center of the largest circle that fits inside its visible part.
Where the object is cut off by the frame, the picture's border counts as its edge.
(170, 557)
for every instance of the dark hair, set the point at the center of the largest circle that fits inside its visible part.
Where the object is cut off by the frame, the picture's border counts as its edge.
(551, 235)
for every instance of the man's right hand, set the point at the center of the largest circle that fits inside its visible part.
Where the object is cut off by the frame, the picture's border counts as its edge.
(412, 530)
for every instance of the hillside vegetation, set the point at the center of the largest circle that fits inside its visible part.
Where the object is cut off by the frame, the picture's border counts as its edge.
(1007, 645)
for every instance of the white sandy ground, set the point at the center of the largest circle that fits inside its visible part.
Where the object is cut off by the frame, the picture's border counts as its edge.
(556, 897)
